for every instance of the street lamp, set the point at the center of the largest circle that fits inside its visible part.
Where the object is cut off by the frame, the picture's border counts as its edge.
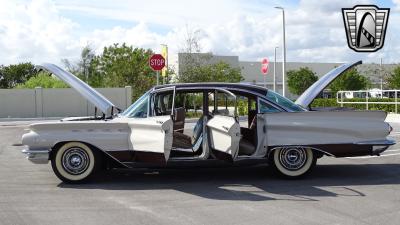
(283, 49)
(275, 68)
(380, 73)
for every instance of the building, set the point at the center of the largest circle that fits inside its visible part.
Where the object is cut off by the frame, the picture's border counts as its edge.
(251, 71)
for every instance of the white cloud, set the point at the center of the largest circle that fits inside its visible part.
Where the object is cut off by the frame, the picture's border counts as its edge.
(397, 5)
(34, 32)
(41, 30)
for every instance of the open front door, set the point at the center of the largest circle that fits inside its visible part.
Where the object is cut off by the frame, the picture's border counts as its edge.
(151, 137)
(223, 128)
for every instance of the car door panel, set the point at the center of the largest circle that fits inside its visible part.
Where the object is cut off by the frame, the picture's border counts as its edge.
(152, 135)
(224, 136)
(262, 140)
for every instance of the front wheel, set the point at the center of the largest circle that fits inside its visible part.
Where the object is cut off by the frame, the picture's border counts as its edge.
(74, 162)
(293, 162)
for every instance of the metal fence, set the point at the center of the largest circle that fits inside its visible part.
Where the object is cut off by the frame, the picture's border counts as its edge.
(369, 97)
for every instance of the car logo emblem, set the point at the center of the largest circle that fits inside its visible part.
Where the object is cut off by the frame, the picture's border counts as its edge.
(365, 27)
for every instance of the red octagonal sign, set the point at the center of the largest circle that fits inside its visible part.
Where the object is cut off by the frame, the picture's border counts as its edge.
(157, 62)
(264, 66)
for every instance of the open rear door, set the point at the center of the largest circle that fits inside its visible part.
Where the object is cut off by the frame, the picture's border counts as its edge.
(151, 137)
(223, 128)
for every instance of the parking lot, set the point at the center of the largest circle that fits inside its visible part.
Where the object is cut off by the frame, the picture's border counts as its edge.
(364, 190)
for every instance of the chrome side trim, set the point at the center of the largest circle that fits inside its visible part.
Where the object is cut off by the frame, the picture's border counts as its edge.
(378, 146)
(37, 156)
(385, 142)
(300, 146)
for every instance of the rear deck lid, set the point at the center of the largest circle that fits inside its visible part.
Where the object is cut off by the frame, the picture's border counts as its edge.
(312, 92)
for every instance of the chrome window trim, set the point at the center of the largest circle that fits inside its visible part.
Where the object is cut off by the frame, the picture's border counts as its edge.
(155, 91)
(229, 93)
(239, 89)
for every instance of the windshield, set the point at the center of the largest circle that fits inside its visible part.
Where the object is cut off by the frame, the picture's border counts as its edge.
(282, 101)
(139, 108)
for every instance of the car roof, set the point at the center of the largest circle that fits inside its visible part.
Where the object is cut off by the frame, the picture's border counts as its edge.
(233, 86)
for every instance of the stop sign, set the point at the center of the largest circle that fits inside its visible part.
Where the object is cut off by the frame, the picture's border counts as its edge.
(157, 62)
(264, 66)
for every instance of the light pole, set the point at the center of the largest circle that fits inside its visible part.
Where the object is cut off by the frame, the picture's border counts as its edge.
(380, 73)
(275, 68)
(283, 50)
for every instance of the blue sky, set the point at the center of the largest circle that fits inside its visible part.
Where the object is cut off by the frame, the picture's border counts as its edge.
(50, 30)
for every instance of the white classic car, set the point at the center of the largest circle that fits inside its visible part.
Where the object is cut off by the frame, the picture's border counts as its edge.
(154, 131)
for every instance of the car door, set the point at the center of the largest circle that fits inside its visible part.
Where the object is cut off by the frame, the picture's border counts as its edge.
(223, 128)
(151, 136)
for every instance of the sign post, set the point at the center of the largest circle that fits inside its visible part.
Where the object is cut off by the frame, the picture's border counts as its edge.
(157, 63)
(275, 69)
(264, 69)
(164, 53)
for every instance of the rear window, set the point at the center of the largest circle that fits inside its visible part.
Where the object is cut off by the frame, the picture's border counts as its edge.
(282, 101)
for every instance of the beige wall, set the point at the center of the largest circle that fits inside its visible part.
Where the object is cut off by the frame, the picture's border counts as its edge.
(55, 102)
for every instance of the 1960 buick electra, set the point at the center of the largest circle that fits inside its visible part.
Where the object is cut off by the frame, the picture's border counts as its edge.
(198, 125)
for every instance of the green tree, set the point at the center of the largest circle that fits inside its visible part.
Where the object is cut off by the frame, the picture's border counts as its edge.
(199, 67)
(351, 80)
(299, 80)
(218, 72)
(393, 79)
(122, 65)
(82, 68)
(15, 74)
(44, 80)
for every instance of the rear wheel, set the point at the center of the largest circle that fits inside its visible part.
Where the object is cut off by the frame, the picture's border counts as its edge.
(293, 162)
(75, 162)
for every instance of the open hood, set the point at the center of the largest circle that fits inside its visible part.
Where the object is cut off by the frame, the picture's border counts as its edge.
(312, 92)
(89, 93)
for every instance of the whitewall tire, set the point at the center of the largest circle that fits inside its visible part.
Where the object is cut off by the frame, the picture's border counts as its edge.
(293, 162)
(74, 162)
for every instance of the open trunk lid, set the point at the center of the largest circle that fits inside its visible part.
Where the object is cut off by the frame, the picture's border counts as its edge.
(312, 92)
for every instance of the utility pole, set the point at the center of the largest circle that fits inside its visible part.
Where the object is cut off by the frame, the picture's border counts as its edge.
(283, 50)
(275, 68)
(381, 75)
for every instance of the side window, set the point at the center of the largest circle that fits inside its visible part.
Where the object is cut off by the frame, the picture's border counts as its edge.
(267, 108)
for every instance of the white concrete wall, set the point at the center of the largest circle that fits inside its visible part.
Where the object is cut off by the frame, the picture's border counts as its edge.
(55, 102)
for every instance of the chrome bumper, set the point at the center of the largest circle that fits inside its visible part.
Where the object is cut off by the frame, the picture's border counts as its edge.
(37, 156)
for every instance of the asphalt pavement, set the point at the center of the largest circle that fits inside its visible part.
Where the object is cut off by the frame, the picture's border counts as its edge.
(364, 190)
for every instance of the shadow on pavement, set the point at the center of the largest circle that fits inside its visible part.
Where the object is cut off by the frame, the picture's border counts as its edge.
(249, 183)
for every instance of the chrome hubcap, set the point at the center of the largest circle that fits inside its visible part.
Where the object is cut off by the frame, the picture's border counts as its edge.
(75, 161)
(292, 158)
